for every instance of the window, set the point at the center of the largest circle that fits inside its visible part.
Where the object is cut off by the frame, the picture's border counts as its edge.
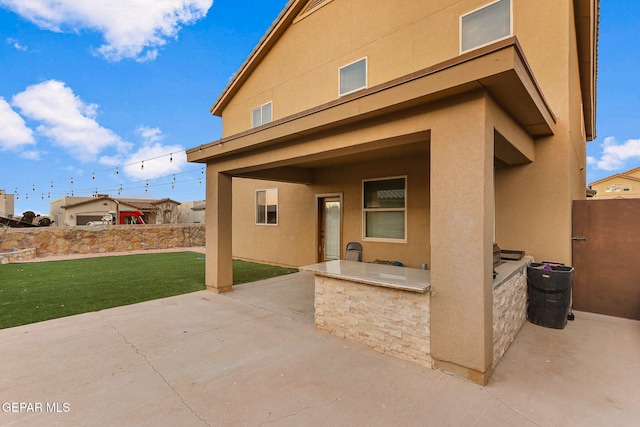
(267, 207)
(353, 77)
(488, 24)
(616, 188)
(261, 115)
(384, 209)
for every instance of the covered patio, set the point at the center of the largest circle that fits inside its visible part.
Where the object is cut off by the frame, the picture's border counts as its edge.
(457, 122)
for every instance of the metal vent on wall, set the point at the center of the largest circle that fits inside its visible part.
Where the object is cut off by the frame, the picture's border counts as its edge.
(313, 4)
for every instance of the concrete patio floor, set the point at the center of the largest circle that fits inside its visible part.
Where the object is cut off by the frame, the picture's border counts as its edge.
(251, 358)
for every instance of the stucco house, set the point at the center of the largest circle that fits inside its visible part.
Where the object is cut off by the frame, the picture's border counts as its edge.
(426, 130)
(625, 185)
(75, 210)
(6, 204)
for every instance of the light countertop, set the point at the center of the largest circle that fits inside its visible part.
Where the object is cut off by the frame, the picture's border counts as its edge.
(388, 276)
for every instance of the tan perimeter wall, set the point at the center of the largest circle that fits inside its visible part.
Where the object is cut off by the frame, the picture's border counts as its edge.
(49, 241)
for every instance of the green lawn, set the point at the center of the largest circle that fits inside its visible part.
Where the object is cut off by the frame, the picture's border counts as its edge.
(34, 292)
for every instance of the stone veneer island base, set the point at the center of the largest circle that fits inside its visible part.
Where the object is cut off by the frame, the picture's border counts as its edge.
(388, 308)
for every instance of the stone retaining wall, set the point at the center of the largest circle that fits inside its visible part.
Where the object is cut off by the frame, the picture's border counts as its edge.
(17, 256)
(388, 320)
(509, 311)
(50, 241)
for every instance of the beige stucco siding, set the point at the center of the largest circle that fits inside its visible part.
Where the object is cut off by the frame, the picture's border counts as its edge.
(293, 241)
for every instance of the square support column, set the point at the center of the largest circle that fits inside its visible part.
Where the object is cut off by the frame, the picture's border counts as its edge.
(462, 210)
(219, 264)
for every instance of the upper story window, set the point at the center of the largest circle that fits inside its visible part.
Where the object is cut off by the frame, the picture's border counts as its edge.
(617, 188)
(384, 209)
(485, 25)
(261, 115)
(353, 77)
(267, 207)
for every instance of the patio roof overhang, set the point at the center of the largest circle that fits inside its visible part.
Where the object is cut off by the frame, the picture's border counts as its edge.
(500, 70)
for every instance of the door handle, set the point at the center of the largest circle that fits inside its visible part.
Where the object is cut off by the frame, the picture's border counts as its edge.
(579, 239)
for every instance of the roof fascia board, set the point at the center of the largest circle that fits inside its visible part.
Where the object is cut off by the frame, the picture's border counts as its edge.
(491, 64)
(587, 14)
(279, 26)
(616, 177)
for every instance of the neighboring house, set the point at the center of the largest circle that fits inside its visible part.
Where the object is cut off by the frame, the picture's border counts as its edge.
(625, 185)
(425, 130)
(6, 204)
(192, 212)
(73, 210)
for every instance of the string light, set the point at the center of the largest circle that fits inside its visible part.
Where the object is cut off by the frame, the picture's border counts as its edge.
(130, 185)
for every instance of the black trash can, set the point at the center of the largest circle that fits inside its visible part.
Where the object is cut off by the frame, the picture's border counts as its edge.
(549, 289)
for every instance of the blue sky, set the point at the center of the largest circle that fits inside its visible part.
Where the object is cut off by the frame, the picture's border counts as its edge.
(90, 90)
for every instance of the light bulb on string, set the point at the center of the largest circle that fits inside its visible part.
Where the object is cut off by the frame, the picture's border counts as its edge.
(93, 176)
(142, 165)
(51, 186)
(171, 158)
(71, 180)
(117, 173)
(33, 188)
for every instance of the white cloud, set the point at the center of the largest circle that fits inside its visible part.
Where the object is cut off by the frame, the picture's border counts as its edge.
(152, 160)
(14, 132)
(615, 154)
(69, 122)
(17, 45)
(31, 155)
(130, 28)
(150, 134)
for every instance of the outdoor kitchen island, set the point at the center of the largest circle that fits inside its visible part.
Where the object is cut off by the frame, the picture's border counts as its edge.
(382, 306)
(388, 308)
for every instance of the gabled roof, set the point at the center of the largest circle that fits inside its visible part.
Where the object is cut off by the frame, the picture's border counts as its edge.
(623, 175)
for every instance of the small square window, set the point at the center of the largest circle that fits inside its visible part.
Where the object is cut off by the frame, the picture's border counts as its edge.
(353, 77)
(486, 25)
(267, 207)
(261, 115)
